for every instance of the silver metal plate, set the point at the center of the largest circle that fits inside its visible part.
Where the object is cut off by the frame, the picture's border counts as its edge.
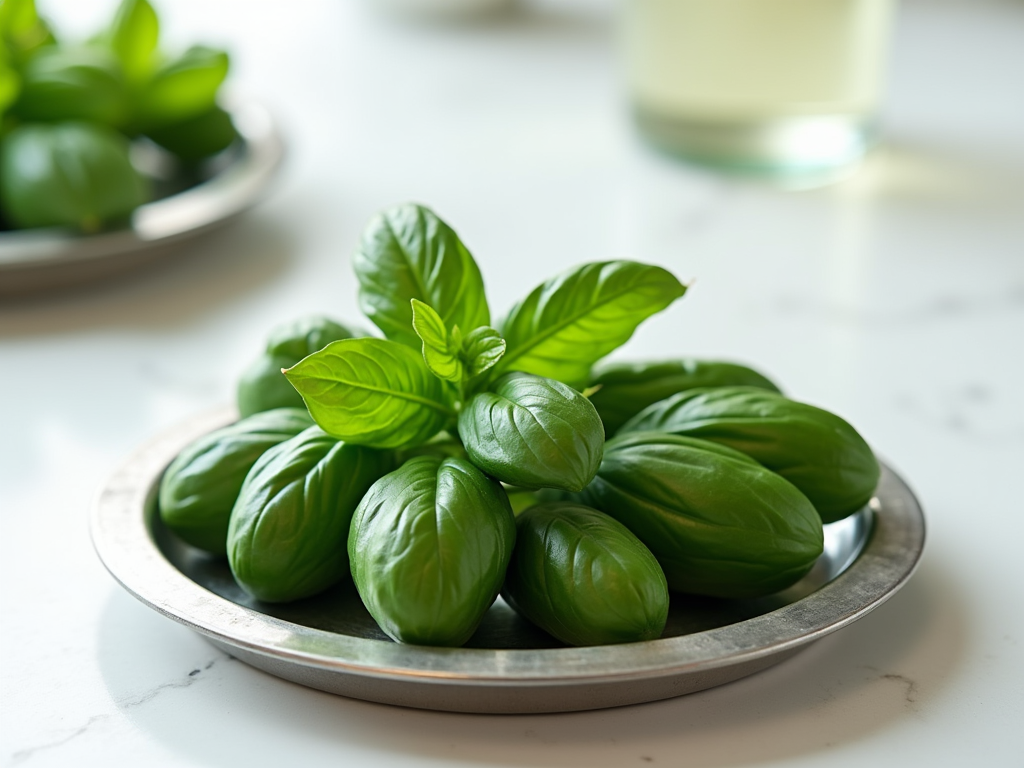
(331, 643)
(35, 260)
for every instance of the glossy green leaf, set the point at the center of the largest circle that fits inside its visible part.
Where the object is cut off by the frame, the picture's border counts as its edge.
(407, 253)
(22, 31)
(83, 83)
(308, 334)
(183, 88)
(581, 576)
(372, 392)
(440, 349)
(429, 545)
(622, 390)
(569, 322)
(262, 385)
(718, 522)
(133, 38)
(817, 451)
(533, 432)
(200, 486)
(482, 349)
(289, 526)
(70, 174)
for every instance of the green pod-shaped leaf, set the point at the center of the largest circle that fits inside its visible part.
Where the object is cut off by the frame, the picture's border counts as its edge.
(288, 529)
(429, 546)
(83, 83)
(625, 389)
(22, 31)
(200, 486)
(533, 432)
(719, 523)
(818, 452)
(581, 576)
(70, 174)
(263, 386)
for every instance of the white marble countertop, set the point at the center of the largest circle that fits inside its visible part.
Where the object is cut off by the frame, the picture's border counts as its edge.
(895, 298)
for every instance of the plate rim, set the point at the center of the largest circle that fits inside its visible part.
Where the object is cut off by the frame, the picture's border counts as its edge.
(124, 543)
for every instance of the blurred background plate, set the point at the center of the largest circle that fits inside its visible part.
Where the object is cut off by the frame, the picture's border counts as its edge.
(330, 642)
(35, 260)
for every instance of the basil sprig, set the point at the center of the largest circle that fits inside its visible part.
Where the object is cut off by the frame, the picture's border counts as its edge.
(449, 355)
(419, 284)
(478, 421)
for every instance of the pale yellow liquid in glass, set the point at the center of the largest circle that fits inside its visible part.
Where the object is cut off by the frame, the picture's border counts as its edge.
(740, 64)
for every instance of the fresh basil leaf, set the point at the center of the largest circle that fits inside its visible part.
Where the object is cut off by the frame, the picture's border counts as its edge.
(185, 87)
(308, 334)
(262, 387)
(22, 31)
(428, 546)
(72, 83)
(568, 323)
(406, 253)
(67, 174)
(133, 37)
(482, 349)
(440, 351)
(371, 392)
(533, 432)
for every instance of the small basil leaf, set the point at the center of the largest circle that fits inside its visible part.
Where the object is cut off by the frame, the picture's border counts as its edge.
(533, 432)
(440, 352)
(371, 392)
(407, 252)
(263, 386)
(482, 349)
(81, 83)
(133, 37)
(183, 88)
(568, 323)
(302, 337)
(22, 31)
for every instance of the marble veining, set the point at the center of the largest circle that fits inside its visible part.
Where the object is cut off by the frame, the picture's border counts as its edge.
(20, 756)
